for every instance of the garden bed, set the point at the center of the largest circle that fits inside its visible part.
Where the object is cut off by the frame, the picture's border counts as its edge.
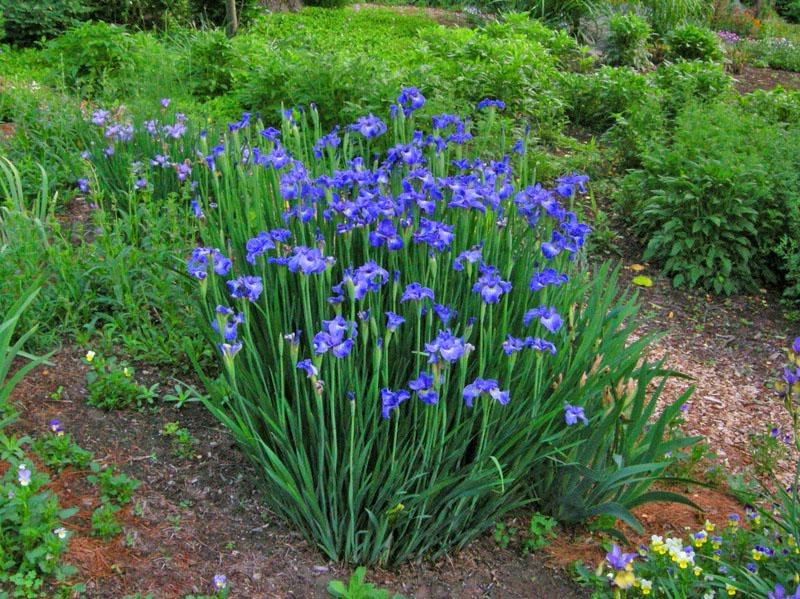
(202, 516)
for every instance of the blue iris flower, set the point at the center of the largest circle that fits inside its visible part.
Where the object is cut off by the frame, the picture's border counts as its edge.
(447, 346)
(309, 367)
(416, 292)
(386, 233)
(246, 287)
(549, 276)
(259, 245)
(393, 321)
(487, 386)
(547, 316)
(573, 414)
(308, 260)
(369, 126)
(490, 285)
(487, 103)
(391, 400)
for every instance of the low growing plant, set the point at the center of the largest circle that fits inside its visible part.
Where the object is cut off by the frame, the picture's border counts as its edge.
(58, 450)
(116, 488)
(104, 521)
(32, 536)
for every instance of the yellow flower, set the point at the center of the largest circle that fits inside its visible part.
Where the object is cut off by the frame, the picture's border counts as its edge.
(624, 579)
(646, 585)
(126, 372)
(709, 526)
(698, 570)
(90, 355)
(730, 589)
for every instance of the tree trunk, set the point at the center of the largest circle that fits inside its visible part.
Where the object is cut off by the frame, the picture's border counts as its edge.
(230, 16)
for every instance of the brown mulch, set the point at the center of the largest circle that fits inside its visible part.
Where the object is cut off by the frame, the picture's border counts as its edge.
(752, 78)
(200, 517)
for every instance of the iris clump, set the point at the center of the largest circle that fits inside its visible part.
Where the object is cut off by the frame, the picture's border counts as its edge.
(401, 323)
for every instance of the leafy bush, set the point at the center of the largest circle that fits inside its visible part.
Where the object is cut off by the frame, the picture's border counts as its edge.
(627, 41)
(714, 209)
(777, 105)
(140, 13)
(788, 9)
(207, 65)
(29, 21)
(424, 478)
(683, 83)
(691, 42)
(90, 52)
(594, 100)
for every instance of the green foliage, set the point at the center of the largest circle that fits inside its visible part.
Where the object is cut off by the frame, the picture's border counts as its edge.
(714, 209)
(774, 53)
(208, 63)
(11, 347)
(788, 9)
(777, 105)
(685, 82)
(27, 22)
(358, 588)
(114, 488)
(90, 53)
(32, 538)
(140, 13)
(104, 522)
(666, 15)
(690, 42)
(628, 41)
(594, 99)
(58, 451)
(540, 533)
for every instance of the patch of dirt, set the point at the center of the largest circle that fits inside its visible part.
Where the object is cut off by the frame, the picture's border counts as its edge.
(752, 78)
(192, 519)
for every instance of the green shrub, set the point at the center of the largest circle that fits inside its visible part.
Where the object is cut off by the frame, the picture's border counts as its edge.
(29, 21)
(714, 207)
(594, 100)
(627, 41)
(635, 131)
(683, 83)
(788, 9)
(207, 66)
(691, 42)
(140, 13)
(90, 53)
